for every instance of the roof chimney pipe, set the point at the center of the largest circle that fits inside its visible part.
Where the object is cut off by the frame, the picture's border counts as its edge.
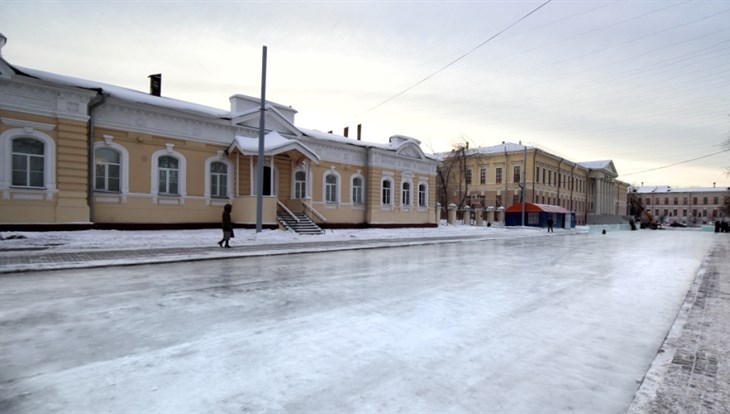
(347, 130)
(156, 84)
(359, 131)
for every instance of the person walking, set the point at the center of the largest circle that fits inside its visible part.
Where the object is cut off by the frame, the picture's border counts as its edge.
(550, 225)
(227, 226)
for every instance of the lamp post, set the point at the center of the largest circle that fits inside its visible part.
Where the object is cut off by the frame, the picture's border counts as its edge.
(260, 165)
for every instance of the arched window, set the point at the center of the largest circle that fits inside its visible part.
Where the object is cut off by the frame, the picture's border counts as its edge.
(357, 190)
(300, 184)
(28, 163)
(218, 179)
(422, 195)
(107, 170)
(331, 181)
(168, 175)
(405, 198)
(386, 198)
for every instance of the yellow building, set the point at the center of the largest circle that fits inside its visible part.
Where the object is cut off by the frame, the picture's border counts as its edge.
(492, 178)
(77, 153)
(687, 206)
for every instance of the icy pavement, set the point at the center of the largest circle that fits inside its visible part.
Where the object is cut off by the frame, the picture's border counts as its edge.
(520, 325)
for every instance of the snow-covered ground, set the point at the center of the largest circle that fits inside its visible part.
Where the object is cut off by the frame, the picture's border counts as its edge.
(116, 239)
(519, 325)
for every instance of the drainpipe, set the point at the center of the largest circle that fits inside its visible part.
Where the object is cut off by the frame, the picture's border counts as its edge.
(534, 175)
(506, 184)
(572, 184)
(560, 179)
(98, 100)
(366, 196)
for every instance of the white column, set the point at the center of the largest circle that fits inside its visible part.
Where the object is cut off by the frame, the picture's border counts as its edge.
(598, 197)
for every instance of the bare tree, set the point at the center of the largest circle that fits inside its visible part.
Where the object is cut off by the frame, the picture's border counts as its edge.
(452, 176)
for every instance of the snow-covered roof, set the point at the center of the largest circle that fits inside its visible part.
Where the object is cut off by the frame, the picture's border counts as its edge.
(596, 165)
(274, 144)
(501, 148)
(126, 93)
(536, 208)
(396, 141)
(670, 189)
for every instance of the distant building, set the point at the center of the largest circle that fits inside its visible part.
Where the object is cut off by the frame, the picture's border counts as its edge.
(687, 206)
(492, 178)
(77, 153)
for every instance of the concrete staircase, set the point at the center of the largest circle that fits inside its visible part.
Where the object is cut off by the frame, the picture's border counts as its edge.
(298, 222)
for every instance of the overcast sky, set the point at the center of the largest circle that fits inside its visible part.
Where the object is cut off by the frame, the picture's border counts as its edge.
(643, 83)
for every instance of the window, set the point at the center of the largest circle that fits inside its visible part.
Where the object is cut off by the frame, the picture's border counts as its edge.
(676, 201)
(357, 190)
(300, 184)
(422, 195)
(694, 200)
(330, 188)
(537, 174)
(483, 176)
(218, 179)
(543, 176)
(498, 175)
(516, 174)
(167, 175)
(468, 176)
(28, 163)
(666, 200)
(704, 201)
(107, 170)
(648, 200)
(714, 200)
(387, 188)
(405, 199)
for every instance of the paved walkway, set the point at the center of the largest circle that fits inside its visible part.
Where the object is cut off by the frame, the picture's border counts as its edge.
(690, 374)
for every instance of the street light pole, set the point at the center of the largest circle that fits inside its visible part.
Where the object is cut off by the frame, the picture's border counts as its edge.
(260, 165)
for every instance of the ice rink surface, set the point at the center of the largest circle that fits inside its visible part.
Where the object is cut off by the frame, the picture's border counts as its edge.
(539, 325)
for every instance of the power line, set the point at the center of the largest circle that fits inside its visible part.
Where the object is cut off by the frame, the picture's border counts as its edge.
(676, 163)
(459, 58)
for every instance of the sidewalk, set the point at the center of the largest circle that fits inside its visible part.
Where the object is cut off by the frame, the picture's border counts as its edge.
(691, 372)
(35, 259)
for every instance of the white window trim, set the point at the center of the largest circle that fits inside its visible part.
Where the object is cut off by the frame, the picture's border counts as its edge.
(392, 190)
(229, 178)
(181, 174)
(305, 170)
(352, 186)
(6, 158)
(123, 165)
(406, 178)
(329, 172)
(425, 205)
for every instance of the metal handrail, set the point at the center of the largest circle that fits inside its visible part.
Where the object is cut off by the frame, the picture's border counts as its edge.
(315, 212)
(284, 208)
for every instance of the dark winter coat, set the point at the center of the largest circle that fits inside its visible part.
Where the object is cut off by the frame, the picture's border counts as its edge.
(226, 219)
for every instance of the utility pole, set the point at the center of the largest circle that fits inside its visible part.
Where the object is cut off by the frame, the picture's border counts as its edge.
(262, 133)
